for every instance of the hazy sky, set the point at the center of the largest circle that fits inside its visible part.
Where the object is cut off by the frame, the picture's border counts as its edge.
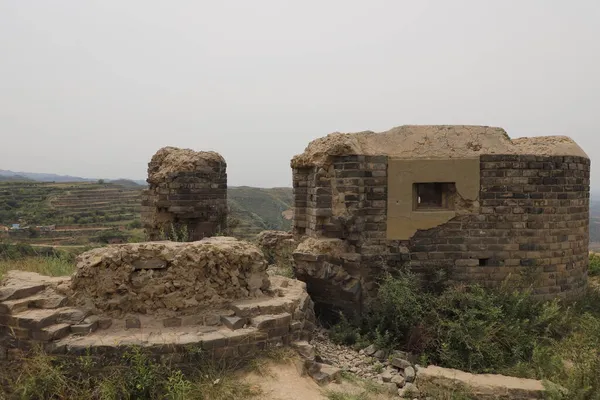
(94, 87)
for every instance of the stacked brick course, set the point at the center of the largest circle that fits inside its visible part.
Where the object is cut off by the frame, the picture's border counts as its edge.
(33, 313)
(530, 225)
(187, 196)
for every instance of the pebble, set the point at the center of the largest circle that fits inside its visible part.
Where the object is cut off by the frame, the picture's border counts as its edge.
(364, 365)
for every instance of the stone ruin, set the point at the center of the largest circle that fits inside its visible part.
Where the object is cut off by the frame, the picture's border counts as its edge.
(213, 295)
(187, 195)
(465, 199)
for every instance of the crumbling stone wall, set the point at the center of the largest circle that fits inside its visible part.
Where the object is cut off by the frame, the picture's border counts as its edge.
(170, 298)
(277, 246)
(169, 278)
(529, 224)
(187, 195)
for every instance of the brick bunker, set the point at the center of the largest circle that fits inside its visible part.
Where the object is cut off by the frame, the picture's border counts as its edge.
(187, 197)
(213, 295)
(466, 199)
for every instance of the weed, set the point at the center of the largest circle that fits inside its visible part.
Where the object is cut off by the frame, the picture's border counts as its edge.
(140, 374)
(477, 330)
(336, 395)
(41, 379)
(137, 376)
(178, 387)
(594, 268)
(53, 265)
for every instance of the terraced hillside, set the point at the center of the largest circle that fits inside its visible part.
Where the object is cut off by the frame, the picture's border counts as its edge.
(82, 210)
(259, 209)
(81, 203)
(94, 203)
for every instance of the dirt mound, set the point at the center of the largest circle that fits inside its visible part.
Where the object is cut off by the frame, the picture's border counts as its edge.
(161, 277)
(172, 160)
(331, 247)
(432, 141)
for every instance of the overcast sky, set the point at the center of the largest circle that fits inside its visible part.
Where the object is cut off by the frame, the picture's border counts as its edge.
(94, 87)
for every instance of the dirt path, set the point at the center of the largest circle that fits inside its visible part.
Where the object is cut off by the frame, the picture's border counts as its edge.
(283, 382)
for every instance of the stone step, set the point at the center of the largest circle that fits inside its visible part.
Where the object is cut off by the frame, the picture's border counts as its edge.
(323, 373)
(267, 322)
(52, 332)
(34, 319)
(50, 301)
(234, 323)
(71, 315)
(21, 284)
(89, 325)
(256, 307)
(44, 301)
(19, 290)
(14, 306)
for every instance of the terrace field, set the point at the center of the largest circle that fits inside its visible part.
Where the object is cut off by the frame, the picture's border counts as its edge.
(97, 212)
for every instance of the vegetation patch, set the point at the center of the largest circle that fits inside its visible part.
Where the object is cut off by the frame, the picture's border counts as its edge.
(136, 376)
(594, 265)
(45, 261)
(485, 331)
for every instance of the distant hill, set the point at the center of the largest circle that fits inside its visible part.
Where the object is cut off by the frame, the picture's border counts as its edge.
(14, 178)
(127, 183)
(595, 221)
(43, 177)
(259, 209)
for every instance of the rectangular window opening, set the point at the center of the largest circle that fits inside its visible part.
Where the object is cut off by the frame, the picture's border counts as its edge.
(434, 196)
(484, 262)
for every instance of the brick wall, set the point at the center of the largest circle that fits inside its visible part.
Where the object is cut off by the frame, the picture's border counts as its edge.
(531, 226)
(191, 201)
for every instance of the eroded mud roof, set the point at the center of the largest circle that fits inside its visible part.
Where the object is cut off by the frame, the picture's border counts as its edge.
(170, 160)
(433, 141)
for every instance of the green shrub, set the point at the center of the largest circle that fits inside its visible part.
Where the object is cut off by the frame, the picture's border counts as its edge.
(398, 310)
(594, 268)
(479, 330)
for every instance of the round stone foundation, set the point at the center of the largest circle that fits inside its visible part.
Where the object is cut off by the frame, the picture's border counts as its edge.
(179, 301)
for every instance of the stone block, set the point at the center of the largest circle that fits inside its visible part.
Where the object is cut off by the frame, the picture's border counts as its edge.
(72, 315)
(279, 331)
(153, 263)
(132, 322)
(17, 289)
(14, 306)
(18, 333)
(36, 319)
(267, 322)
(88, 326)
(398, 380)
(172, 322)
(214, 340)
(53, 332)
(104, 323)
(247, 349)
(323, 373)
(306, 350)
(234, 323)
(485, 387)
(48, 301)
